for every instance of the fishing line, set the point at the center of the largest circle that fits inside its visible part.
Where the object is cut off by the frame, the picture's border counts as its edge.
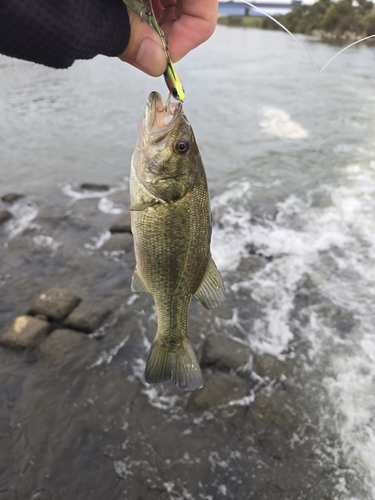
(302, 47)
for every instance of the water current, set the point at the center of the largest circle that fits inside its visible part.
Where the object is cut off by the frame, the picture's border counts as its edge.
(272, 133)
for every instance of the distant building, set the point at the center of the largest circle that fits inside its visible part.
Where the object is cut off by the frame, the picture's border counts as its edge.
(242, 9)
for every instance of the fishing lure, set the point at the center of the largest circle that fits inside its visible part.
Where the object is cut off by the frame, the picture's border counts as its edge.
(171, 78)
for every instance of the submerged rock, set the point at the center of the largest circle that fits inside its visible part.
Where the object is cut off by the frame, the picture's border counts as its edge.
(119, 242)
(25, 332)
(225, 352)
(251, 264)
(11, 197)
(51, 213)
(219, 388)
(268, 366)
(265, 210)
(122, 224)
(56, 304)
(91, 186)
(88, 316)
(64, 345)
(276, 409)
(4, 216)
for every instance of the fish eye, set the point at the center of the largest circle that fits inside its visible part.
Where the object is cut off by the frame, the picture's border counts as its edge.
(174, 93)
(182, 146)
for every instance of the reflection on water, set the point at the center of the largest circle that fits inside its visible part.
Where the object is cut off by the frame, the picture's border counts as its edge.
(290, 161)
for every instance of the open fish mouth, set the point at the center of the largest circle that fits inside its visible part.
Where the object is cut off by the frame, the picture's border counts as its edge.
(159, 119)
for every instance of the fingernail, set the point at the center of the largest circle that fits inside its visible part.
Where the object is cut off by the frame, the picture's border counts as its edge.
(151, 57)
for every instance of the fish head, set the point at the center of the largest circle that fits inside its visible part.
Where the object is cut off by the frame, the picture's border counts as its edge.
(166, 159)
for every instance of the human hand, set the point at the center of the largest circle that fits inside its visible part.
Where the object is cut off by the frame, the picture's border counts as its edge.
(186, 24)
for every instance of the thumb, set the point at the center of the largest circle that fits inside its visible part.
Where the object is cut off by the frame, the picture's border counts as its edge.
(145, 48)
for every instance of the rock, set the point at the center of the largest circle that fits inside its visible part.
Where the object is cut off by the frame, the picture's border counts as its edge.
(264, 210)
(268, 366)
(52, 213)
(88, 316)
(119, 242)
(56, 304)
(44, 317)
(225, 352)
(11, 197)
(219, 388)
(256, 251)
(251, 264)
(275, 408)
(91, 186)
(122, 224)
(65, 345)
(25, 332)
(4, 216)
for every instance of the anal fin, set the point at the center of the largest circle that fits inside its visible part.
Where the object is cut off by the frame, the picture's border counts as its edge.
(211, 291)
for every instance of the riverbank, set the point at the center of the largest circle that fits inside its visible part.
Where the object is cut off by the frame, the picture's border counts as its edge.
(340, 20)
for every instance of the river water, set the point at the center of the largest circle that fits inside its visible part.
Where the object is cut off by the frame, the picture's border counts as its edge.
(272, 133)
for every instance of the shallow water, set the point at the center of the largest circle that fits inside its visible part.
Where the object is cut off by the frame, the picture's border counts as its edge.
(272, 132)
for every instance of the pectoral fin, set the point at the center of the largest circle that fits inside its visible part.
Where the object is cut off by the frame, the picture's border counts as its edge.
(211, 291)
(138, 207)
(138, 284)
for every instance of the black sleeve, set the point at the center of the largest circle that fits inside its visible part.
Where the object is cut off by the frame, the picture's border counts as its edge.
(57, 32)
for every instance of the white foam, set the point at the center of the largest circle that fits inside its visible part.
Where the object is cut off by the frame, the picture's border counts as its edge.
(99, 241)
(277, 122)
(107, 206)
(107, 357)
(230, 232)
(46, 242)
(23, 214)
(335, 246)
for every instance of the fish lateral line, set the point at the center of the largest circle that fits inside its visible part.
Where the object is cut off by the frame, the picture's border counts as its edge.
(300, 44)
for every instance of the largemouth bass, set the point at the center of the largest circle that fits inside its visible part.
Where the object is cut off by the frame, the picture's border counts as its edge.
(171, 225)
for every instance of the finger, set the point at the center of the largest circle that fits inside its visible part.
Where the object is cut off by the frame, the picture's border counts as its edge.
(169, 11)
(145, 48)
(157, 8)
(196, 24)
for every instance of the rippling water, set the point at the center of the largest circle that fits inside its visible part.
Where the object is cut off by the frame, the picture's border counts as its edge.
(270, 130)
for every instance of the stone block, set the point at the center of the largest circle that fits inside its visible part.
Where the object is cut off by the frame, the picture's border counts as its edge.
(225, 352)
(25, 332)
(11, 197)
(88, 316)
(4, 216)
(119, 242)
(270, 367)
(56, 304)
(122, 224)
(219, 388)
(64, 346)
(91, 186)
(275, 408)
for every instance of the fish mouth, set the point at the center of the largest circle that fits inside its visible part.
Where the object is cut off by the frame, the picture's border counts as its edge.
(160, 119)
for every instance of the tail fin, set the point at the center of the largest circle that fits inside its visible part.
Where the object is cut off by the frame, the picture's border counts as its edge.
(174, 362)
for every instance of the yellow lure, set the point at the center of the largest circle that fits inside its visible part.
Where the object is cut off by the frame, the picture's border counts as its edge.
(171, 78)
